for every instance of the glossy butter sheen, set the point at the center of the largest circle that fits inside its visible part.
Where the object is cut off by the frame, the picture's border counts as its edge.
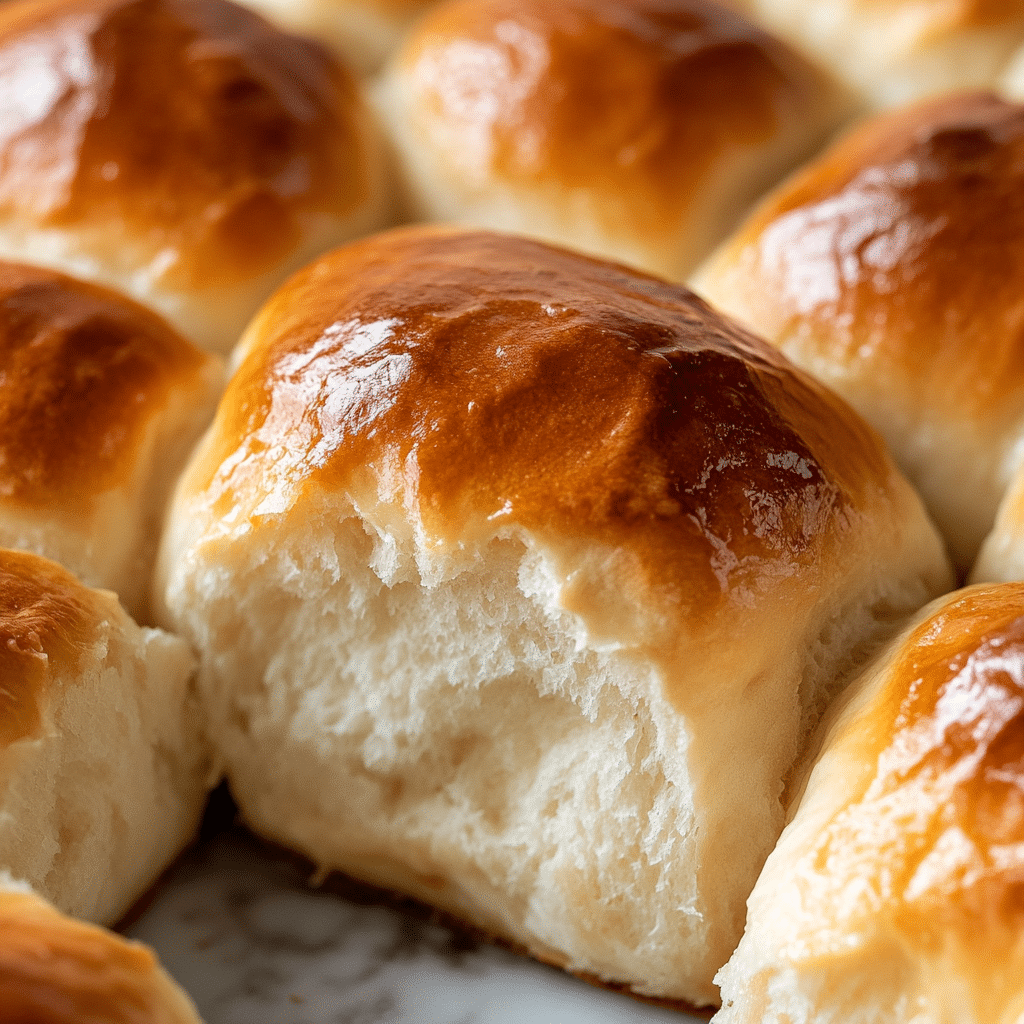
(196, 126)
(46, 623)
(481, 381)
(905, 247)
(941, 814)
(83, 371)
(54, 970)
(681, 84)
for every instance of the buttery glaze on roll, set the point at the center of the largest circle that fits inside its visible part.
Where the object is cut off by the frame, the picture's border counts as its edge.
(638, 131)
(895, 892)
(362, 32)
(103, 768)
(891, 52)
(888, 269)
(182, 150)
(55, 970)
(100, 404)
(499, 559)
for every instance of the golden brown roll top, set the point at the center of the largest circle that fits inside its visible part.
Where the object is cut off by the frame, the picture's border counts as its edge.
(485, 381)
(100, 402)
(894, 51)
(887, 269)
(175, 147)
(897, 890)
(637, 131)
(82, 373)
(55, 970)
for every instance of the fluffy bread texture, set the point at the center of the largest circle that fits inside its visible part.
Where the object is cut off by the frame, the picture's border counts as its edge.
(100, 404)
(888, 268)
(894, 895)
(636, 131)
(184, 152)
(103, 767)
(500, 561)
(362, 32)
(891, 52)
(55, 970)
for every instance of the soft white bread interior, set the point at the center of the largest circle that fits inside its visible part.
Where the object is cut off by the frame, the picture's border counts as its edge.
(639, 132)
(103, 768)
(188, 153)
(888, 268)
(895, 893)
(100, 404)
(891, 52)
(362, 32)
(1001, 558)
(517, 579)
(55, 970)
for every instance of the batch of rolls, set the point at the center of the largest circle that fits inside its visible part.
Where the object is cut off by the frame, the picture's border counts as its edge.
(487, 570)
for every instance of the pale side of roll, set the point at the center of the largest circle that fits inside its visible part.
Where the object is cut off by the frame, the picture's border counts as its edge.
(892, 52)
(362, 32)
(888, 268)
(56, 970)
(517, 580)
(103, 765)
(100, 405)
(185, 152)
(894, 895)
(639, 132)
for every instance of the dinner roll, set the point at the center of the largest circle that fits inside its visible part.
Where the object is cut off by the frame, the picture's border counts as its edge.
(889, 268)
(103, 769)
(54, 970)
(183, 151)
(638, 131)
(100, 403)
(895, 892)
(361, 32)
(891, 52)
(517, 578)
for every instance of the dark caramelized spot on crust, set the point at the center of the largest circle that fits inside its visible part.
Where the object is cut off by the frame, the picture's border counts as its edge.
(904, 247)
(636, 100)
(83, 371)
(192, 126)
(55, 970)
(486, 380)
(45, 621)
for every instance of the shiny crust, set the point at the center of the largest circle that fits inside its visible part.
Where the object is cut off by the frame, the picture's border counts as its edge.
(55, 970)
(484, 382)
(900, 249)
(47, 622)
(682, 85)
(202, 131)
(83, 371)
(927, 850)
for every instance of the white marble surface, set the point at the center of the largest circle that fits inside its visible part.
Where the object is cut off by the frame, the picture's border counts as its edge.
(239, 927)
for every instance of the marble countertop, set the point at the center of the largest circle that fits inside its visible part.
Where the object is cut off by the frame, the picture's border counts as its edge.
(238, 925)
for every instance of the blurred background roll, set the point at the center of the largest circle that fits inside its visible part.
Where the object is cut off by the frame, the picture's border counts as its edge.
(888, 267)
(183, 151)
(100, 405)
(637, 131)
